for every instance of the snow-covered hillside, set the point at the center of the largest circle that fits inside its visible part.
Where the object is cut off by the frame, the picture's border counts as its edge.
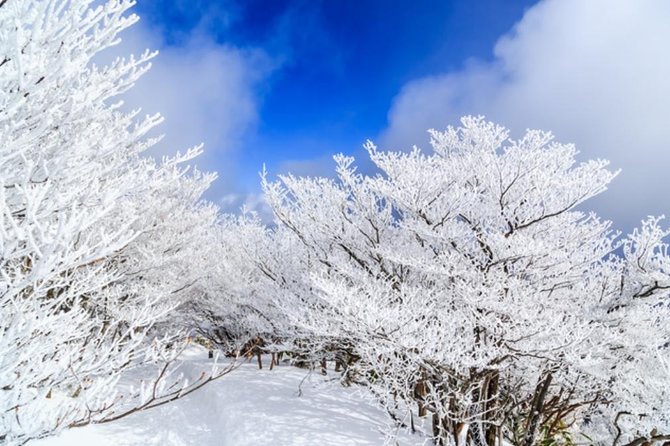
(283, 407)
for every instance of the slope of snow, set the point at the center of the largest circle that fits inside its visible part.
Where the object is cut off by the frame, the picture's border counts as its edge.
(286, 406)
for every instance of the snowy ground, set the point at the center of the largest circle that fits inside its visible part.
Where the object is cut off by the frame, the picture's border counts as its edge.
(248, 407)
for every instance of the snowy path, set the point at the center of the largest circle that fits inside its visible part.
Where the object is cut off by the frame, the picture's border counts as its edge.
(248, 407)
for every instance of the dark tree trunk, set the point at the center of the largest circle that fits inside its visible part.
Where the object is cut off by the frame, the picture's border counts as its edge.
(420, 394)
(492, 430)
(535, 414)
(436, 430)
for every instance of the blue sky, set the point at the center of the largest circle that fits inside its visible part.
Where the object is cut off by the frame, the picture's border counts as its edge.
(289, 83)
(339, 64)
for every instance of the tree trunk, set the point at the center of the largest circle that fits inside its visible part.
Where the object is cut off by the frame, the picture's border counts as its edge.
(461, 434)
(492, 430)
(420, 393)
(437, 434)
(536, 410)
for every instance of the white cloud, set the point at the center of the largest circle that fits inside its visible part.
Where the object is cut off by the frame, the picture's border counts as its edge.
(239, 203)
(596, 73)
(207, 92)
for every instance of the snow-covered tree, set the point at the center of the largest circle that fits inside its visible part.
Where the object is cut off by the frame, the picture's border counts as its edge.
(469, 282)
(233, 306)
(97, 243)
(638, 336)
(256, 280)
